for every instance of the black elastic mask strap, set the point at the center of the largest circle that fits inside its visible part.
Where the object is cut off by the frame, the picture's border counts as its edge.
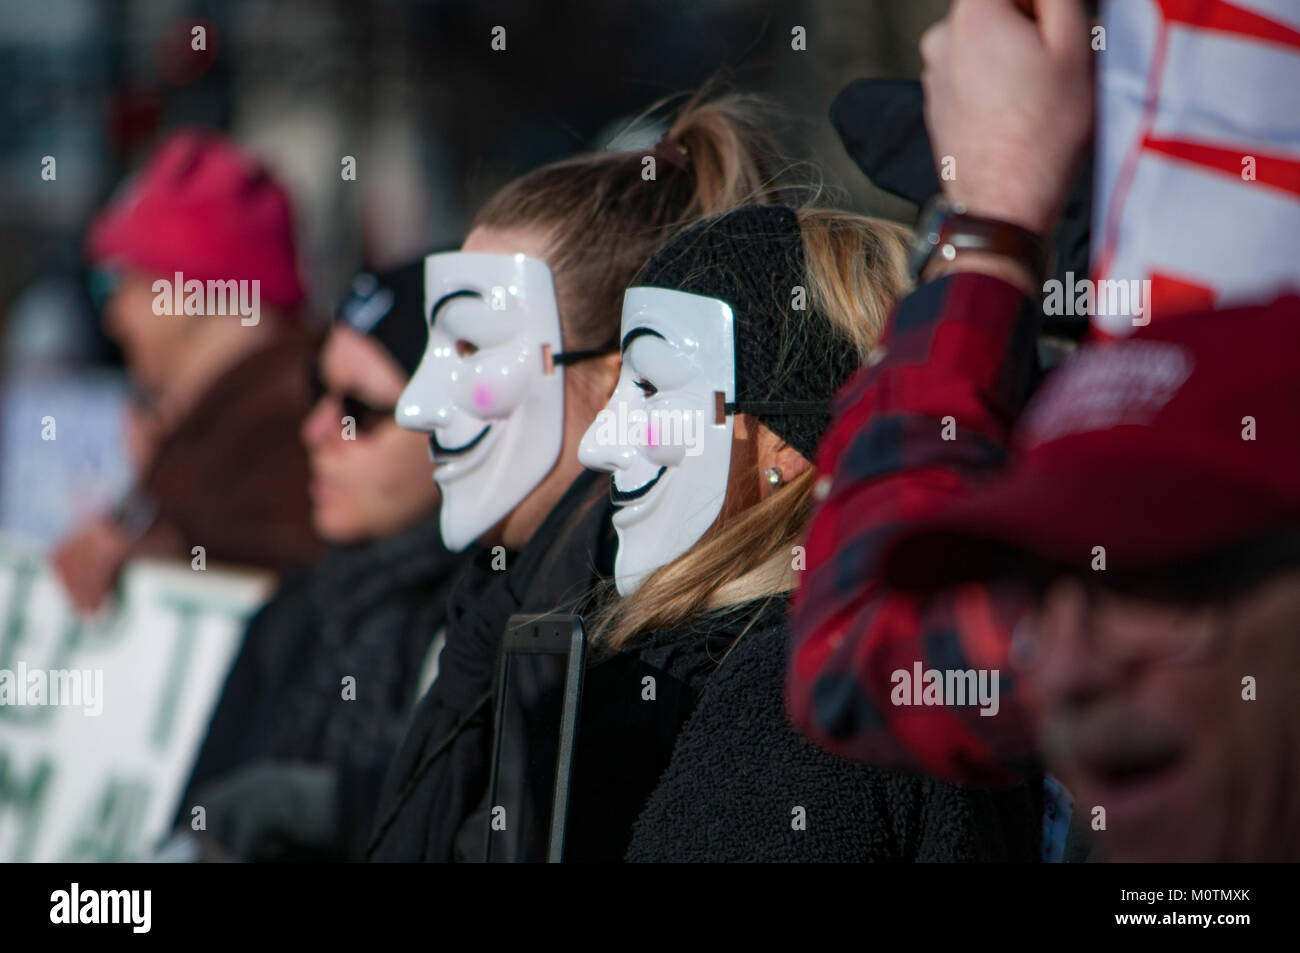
(572, 357)
(777, 408)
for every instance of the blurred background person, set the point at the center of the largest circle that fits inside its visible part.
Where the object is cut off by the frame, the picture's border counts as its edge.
(312, 709)
(910, 434)
(1128, 667)
(1162, 681)
(220, 395)
(975, 315)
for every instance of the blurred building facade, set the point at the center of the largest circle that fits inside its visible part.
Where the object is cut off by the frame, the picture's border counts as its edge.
(435, 118)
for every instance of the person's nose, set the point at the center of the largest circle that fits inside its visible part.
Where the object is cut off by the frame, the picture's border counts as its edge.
(1067, 666)
(318, 426)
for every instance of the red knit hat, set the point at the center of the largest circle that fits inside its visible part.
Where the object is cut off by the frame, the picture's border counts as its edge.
(206, 209)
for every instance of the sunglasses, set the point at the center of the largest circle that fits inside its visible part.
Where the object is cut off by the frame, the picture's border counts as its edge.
(367, 416)
(101, 283)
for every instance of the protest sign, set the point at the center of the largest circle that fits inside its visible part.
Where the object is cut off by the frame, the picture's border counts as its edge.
(100, 719)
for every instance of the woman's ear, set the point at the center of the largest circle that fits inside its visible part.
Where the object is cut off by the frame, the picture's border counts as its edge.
(775, 453)
(790, 462)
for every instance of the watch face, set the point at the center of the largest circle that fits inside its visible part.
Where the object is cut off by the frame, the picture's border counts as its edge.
(929, 226)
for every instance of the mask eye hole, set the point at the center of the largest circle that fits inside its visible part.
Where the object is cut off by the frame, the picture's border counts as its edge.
(646, 387)
(465, 349)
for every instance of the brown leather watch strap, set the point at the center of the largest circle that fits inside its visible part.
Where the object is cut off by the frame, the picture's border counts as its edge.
(962, 231)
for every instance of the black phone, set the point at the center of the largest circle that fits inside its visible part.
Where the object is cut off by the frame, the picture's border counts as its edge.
(538, 694)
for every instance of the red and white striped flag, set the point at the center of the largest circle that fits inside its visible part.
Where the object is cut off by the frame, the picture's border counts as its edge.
(1198, 171)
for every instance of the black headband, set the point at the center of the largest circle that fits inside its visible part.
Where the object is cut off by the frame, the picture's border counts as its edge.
(789, 363)
(780, 408)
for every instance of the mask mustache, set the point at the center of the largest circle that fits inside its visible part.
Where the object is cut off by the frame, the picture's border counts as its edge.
(627, 496)
(436, 449)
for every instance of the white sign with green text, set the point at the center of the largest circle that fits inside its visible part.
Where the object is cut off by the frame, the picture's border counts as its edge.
(101, 718)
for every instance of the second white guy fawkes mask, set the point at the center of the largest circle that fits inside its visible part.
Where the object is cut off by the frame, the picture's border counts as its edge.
(666, 433)
(488, 390)
(712, 329)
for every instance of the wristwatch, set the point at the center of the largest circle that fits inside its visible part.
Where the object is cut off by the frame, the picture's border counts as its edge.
(946, 228)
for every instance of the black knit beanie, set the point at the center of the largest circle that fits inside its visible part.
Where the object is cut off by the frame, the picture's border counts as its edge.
(789, 362)
(389, 307)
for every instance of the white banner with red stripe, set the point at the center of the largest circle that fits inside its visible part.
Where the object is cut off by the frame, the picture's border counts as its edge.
(1198, 171)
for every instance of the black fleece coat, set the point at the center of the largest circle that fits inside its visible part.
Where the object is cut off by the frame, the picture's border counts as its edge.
(742, 785)
(438, 780)
(634, 705)
(369, 611)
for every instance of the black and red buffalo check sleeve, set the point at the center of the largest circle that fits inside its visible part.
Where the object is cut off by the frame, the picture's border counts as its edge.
(964, 348)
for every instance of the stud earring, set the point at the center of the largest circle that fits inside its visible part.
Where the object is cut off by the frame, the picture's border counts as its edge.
(774, 476)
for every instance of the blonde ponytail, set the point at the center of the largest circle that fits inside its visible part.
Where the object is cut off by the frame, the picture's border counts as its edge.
(856, 269)
(732, 158)
(603, 218)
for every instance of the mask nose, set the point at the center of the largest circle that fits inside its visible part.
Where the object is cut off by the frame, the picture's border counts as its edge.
(605, 445)
(591, 453)
(425, 404)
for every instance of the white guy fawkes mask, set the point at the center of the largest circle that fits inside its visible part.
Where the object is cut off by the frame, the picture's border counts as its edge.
(666, 433)
(487, 389)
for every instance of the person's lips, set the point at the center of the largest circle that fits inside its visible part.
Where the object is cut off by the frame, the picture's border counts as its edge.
(1134, 772)
(1124, 767)
(1137, 791)
(439, 453)
(623, 497)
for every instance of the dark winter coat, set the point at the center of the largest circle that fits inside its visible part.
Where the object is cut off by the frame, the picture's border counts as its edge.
(634, 705)
(232, 475)
(293, 760)
(439, 778)
(742, 785)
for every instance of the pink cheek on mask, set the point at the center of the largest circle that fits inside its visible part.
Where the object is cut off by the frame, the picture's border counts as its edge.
(652, 437)
(483, 397)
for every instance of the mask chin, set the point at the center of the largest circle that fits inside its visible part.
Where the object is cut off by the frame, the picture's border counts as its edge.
(513, 458)
(681, 506)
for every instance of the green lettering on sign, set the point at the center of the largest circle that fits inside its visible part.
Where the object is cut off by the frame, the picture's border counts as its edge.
(26, 801)
(113, 826)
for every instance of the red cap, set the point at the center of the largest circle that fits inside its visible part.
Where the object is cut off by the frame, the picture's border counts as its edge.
(204, 208)
(1172, 444)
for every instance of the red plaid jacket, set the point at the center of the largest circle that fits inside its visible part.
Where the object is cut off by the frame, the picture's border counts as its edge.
(963, 347)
